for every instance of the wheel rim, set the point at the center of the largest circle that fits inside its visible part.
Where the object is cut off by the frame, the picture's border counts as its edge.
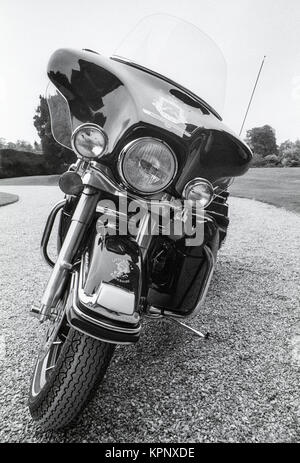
(50, 349)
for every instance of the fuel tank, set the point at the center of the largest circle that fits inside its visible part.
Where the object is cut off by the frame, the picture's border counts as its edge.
(129, 102)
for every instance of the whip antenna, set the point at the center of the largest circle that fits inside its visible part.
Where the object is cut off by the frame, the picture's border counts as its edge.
(252, 95)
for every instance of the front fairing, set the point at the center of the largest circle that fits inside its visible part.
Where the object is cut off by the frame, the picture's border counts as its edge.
(129, 102)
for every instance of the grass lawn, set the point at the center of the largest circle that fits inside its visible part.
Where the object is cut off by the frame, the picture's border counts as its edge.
(277, 186)
(47, 180)
(7, 198)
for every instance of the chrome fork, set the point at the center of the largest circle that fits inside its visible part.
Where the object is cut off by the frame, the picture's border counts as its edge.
(144, 235)
(80, 220)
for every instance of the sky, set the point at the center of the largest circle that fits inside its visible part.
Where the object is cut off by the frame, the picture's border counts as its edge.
(245, 31)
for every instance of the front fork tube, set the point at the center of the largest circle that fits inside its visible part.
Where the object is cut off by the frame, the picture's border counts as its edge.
(81, 219)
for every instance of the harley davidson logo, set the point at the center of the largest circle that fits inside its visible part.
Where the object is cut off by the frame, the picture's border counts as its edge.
(170, 113)
(170, 110)
(122, 270)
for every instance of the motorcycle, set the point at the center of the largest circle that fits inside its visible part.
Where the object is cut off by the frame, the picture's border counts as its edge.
(145, 209)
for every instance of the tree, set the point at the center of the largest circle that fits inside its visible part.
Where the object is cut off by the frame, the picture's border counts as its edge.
(57, 157)
(290, 153)
(283, 147)
(2, 143)
(37, 147)
(23, 145)
(20, 145)
(272, 160)
(11, 146)
(262, 140)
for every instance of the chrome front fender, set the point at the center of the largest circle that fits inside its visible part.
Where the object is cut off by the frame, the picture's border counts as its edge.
(106, 290)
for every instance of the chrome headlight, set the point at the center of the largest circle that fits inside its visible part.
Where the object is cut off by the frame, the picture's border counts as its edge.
(147, 165)
(89, 141)
(200, 190)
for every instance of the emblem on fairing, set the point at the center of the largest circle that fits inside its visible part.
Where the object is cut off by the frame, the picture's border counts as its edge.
(122, 270)
(169, 109)
(170, 113)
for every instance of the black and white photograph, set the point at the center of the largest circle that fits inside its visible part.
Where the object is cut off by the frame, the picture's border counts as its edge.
(150, 224)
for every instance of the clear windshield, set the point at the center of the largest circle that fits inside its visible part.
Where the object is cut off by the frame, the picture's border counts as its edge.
(61, 126)
(181, 52)
(169, 46)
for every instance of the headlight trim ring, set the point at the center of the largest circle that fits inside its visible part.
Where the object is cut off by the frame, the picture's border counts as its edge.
(93, 126)
(129, 146)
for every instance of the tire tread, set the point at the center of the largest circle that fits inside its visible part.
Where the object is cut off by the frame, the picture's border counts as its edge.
(81, 367)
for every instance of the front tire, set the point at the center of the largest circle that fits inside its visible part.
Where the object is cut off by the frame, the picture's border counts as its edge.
(59, 392)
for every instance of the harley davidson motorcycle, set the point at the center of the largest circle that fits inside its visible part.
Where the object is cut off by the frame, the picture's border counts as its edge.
(152, 151)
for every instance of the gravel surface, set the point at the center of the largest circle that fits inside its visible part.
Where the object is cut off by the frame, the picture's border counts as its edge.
(242, 385)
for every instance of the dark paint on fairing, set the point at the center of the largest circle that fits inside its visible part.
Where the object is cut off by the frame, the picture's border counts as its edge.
(129, 102)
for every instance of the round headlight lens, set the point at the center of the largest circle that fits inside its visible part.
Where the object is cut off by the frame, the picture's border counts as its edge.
(89, 141)
(147, 165)
(199, 190)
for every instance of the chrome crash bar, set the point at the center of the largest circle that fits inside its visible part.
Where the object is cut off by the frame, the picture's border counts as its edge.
(48, 231)
(80, 219)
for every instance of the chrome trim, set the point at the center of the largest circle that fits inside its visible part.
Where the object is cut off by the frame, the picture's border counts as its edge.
(189, 328)
(144, 234)
(88, 318)
(143, 230)
(218, 195)
(101, 339)
(96, 176)
(221, 190)
(147, 225)
(121, 160)
(92, 301)
(98, 179)
(48, 229)
(116, 299)
(195, 181)
(114, 215)
(81, 218)
(157, 312)
(94, 126)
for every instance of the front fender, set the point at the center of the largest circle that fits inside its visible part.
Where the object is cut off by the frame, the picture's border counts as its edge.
(106, 290)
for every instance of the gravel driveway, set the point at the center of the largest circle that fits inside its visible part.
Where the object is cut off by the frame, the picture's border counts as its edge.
(240, 385)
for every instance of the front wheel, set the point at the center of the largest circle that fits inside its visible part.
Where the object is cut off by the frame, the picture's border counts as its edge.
(67, 372)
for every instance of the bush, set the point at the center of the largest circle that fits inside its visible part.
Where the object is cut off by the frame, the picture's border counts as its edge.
(257, 161)
(22, 164)
(290, 162)
(290, 153)
(272, 159)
